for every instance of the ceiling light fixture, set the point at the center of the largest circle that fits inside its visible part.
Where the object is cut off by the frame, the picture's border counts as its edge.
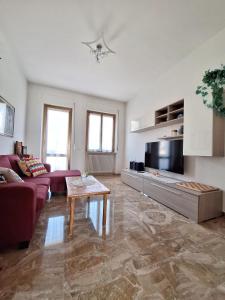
(99, 48)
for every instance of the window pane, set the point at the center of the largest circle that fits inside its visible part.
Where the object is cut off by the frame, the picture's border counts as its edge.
(107, 134)
(94, 132)
(55, 231)
(57, 131)
(57, 162)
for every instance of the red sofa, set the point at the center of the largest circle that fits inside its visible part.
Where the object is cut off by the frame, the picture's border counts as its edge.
(21, 203)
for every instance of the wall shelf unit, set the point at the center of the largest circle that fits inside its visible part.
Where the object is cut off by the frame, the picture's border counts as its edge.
(170, 112)
(164, 117)
(170, 138)
(160, 125)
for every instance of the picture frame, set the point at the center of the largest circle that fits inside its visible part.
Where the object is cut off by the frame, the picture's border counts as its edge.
(18, 148)
(7, 118)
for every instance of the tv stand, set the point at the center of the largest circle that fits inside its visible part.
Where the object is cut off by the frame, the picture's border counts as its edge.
(195, 205)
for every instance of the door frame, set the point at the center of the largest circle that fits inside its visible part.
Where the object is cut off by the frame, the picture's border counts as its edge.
(44, 130)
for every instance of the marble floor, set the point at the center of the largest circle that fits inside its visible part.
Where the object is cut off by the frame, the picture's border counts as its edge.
(146, 251)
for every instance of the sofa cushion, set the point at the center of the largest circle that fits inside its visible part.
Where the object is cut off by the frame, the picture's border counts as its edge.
(38, 180)
(36, 167)
(58, 182)
(10, 175)
(42, 196)
(23, 167)
(4, 162)
(13, 161)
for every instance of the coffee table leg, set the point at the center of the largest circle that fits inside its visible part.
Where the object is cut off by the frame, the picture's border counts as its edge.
(104, 232)
(104, 209)
(72, 206)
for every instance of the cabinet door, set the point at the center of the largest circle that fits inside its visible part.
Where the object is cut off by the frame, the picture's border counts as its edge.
(135, 182)
(181, 202)
(203, 129)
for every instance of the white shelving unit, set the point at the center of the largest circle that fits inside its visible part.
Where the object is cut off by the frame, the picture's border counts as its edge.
(164, 117)
(164, 124)
(170, 138)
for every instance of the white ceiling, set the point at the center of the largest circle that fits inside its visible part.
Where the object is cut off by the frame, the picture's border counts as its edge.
(149, 37)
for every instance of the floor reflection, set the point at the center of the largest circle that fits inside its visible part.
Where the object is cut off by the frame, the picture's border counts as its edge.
(55, 231)
(94, 211)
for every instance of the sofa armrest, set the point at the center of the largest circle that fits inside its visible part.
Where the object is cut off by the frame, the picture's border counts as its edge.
(48, 167)
(17, 211)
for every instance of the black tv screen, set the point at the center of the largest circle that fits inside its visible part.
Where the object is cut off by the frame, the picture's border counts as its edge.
(165, 155)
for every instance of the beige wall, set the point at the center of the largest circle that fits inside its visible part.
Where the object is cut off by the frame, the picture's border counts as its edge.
(38, 95)
(13, 87)
(181, 82)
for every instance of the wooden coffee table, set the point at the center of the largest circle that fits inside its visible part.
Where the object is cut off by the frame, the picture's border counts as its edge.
(78, 187)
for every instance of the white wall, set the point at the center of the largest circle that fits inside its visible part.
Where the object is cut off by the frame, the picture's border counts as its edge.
(13, 87)
(39, 95)
(180, 82)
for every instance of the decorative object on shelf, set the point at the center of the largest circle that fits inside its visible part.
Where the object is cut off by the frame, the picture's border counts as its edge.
(155, 173)
(24, 150)
(18, 148)
(212, 90)
(99, 48)
(181, 130)
(7, 115)
(174, 132)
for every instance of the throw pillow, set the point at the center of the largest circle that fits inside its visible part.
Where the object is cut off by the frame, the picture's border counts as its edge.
(23, 167)
(10, 175)
(36, 167)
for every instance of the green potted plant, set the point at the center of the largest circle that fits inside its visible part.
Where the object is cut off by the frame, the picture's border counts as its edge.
(212, 90)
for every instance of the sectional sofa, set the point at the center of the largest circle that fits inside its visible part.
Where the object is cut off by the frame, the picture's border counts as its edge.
(21, 203)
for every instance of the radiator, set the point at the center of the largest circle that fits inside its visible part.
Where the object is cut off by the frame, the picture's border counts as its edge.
(100, 163)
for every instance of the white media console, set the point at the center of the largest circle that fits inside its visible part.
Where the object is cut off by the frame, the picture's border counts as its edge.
(195, 205)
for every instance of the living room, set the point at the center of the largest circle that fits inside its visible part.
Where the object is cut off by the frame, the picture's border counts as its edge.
(117, 220)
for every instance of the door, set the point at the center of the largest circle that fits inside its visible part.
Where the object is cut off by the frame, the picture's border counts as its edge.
(56, 138)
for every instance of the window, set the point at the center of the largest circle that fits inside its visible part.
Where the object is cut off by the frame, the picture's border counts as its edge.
(56, 136)
(100, 132)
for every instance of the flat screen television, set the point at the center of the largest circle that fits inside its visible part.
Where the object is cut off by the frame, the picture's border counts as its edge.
(165, 155)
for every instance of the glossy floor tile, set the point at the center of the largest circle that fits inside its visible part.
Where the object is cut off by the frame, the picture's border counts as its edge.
(145, 251)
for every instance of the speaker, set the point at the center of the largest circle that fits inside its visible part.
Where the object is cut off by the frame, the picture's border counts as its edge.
(139, 166)
(132, 165)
